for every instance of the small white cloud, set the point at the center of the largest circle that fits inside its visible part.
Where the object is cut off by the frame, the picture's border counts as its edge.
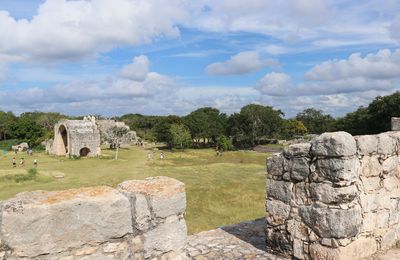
(241, 63)
(137, 70)
(275, 84)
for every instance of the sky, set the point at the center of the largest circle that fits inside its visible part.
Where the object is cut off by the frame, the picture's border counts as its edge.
(160, 57)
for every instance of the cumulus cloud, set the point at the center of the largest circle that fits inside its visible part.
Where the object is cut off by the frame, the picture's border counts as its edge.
(137, 70)
(67, 30)
(241, 63)
(275, 84)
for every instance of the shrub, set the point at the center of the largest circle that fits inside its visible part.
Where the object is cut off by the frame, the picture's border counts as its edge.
(224, 143)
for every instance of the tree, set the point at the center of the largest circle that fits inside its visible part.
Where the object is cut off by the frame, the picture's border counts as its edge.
(206, 124)
(162, 128)
(224, 143)
(7, 119)
(254, 124)
(180, 136)
(26, 129)
(292, 128)
(115, 135)
(316, 121)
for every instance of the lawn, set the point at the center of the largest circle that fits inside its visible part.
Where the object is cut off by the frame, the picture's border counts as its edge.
(220, 190)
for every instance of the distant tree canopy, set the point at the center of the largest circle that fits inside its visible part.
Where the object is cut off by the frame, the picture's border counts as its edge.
(315, 121)
(254, 124)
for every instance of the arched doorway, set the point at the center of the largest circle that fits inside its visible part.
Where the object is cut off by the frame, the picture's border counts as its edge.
(84, 152)
(62, 144)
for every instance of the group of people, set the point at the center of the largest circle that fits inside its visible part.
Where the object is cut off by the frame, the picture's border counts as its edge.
(22, 162)
(150, 155)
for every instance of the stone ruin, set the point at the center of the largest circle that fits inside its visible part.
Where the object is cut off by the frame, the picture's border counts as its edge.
(83, 137)
(138, 220)
(75, 138)
(337, 197)
(395, 123)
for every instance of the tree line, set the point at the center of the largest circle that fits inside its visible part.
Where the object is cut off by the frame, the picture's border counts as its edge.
(254, 124)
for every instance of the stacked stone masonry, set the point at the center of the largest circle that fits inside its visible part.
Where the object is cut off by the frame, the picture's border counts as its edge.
(337, 197)
(138, 220)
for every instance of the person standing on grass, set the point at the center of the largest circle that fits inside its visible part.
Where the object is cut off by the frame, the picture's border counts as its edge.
(35, 163)
(161, 156)
(148, 155)
(22, 162)
(14, 162)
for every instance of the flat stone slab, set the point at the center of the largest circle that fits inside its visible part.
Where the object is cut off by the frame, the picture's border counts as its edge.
(245, 240)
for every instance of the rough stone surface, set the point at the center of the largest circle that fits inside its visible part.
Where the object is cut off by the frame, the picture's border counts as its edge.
(277, 212)
(328, 194)
(275, 165)
(167, 196)
(297, 150)
(370, 166)
(335, 144)
(366, 144)
(386, 144)
(35, 223)
(332, 223)
(299, 168)
(168, 236)
(337, 169)
(280, 190)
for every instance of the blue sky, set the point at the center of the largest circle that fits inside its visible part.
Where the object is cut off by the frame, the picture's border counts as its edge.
(171, 57)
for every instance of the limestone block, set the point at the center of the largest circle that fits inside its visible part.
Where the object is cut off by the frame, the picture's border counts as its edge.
(168, 236)
(334, 144)
(370, 166)
(166, 196)
(299, 168)
(332, 223)
(279, 240)
(392, 184)
(297, 150)
(297, 229)
(35, 223)
(371, 184)
(326, 193)
(391, 165)
(386, 144)
(338, 169)
(382, 219)
(277, 212)
(280, 190)
(359, 249)
(369, 222)
(275, 165)
(366, 144)
(375, 201)
(298, 249)
(300, 193)
(389, 239)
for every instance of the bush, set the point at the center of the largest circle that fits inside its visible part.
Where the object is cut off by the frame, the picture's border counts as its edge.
(224, 143)
(6, 144)
(32, 173)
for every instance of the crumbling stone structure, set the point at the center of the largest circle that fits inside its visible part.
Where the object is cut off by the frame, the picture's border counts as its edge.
(395, 123)
(75, 138)
(138, 220)
(337, 197)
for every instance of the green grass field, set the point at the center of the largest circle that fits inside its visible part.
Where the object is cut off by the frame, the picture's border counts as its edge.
(220, 190)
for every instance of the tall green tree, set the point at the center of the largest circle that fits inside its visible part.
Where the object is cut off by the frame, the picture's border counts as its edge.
(180, 136)
(7, 119)
(206, 123)
(316, 121)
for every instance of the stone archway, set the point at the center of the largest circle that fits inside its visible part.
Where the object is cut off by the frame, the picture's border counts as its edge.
(84, 152)
(62, 140)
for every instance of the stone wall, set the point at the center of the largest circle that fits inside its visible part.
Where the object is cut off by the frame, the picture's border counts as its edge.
(334, 198)
(138, 220)
(395, 123)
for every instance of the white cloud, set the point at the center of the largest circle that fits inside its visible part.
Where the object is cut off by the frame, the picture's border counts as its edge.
(137, 70)
(275, 84)
(241, 63)
(67, 30)
(395, 29)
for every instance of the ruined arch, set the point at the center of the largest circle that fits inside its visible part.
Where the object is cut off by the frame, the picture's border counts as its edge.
(84, 152)
(62, 145)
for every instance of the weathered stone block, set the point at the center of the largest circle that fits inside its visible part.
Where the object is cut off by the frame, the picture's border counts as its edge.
(299, 168)
(375, 201)
(359, 249)
(168, 236)
(366, 144)
(338, 169)
(327, 194)
(386, 144)
(279, 241)
(371, 184)
(280, 190)
(300, 193)
(297, 150)
(370, 166)
(334, 144)
(389, 239)
(36, 223)
(166, 196)
(332, 223)
(275, 165)
(391, 165)
(277, 212)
